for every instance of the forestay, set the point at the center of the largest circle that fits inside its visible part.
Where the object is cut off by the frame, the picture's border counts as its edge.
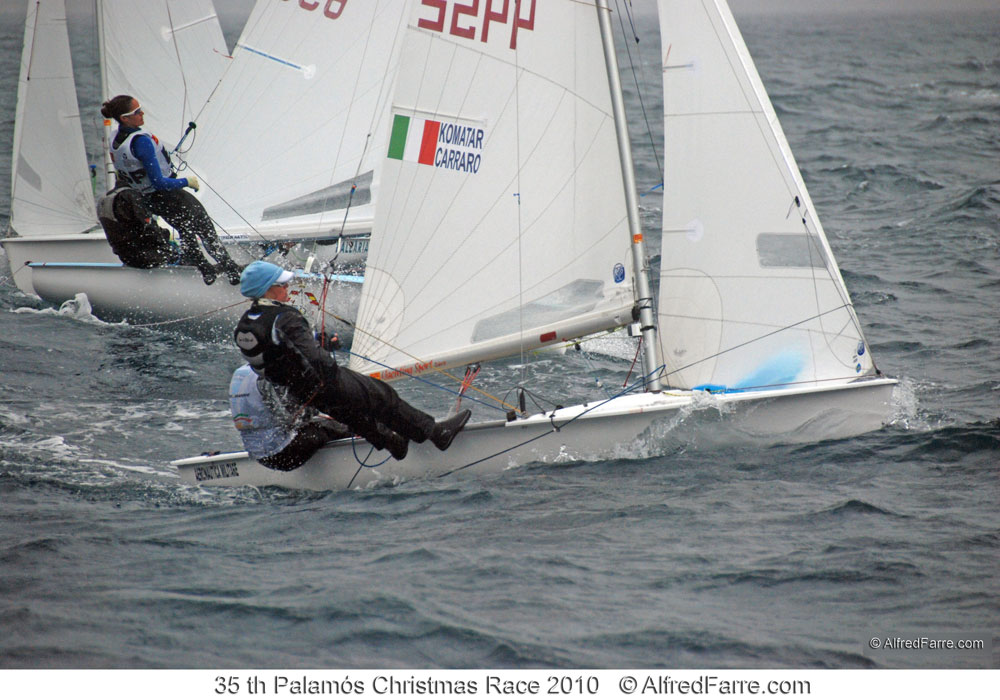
(750, 294)
(51, 191)
(300, 119)
(168, 55)
(501, 219)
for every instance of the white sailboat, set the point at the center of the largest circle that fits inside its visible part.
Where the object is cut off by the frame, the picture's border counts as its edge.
(284, 193)
(523, 231)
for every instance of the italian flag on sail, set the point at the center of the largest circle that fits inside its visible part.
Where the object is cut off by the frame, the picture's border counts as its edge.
(414, 139)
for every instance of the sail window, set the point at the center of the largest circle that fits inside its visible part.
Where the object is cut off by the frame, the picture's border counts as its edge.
(790, 250)
(577, 297)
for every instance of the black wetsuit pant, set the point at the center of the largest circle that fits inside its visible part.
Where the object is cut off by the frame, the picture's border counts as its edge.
(184, 212)
(367, 406)
(305, 444)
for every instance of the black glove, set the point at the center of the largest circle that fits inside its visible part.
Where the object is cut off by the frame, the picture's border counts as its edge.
(329, 341)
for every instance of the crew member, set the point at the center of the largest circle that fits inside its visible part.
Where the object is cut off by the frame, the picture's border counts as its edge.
(277, 342)
(142, 162)
(276, 430)
(129, 227)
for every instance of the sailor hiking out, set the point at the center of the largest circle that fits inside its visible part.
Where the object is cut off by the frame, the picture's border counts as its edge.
(143, 164)
(129, 227)
(276, 430)
(279, 345)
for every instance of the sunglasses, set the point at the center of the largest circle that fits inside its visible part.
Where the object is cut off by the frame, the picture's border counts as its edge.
(134, 112)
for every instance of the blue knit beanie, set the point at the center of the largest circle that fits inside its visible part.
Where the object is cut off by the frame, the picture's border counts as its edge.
(259, 276)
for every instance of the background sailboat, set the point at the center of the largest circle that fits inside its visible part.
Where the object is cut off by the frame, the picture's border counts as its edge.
(521, 240)
(139, 51)
(175, 54)
(52, 196)
(311, 87)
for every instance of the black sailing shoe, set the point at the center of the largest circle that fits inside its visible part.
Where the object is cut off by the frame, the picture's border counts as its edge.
(446, 430)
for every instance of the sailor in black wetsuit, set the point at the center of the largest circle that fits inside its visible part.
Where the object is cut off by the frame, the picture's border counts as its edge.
(142, 162)
(129, 227)
(277, 342)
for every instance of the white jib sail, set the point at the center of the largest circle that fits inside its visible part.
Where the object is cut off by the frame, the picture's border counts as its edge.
(296, 121)
(168, 54)
(51, 191)
(750, 294)
(501, 223)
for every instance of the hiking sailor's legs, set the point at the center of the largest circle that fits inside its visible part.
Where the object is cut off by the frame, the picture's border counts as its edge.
(367, 406)
(185, 213)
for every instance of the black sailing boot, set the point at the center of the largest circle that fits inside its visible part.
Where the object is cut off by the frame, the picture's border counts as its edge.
(397, 445)
(233, 271)
(446, 430)
(207, 272)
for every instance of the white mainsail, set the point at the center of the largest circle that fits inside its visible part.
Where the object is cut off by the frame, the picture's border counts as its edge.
(501, 218)
(51, 190)
(169, 54)
(309, 86)
(750, 294)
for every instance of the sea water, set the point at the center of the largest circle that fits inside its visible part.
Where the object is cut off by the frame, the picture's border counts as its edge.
(779, 557)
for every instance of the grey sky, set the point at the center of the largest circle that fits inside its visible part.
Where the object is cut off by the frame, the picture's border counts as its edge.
(241, 7)
(828, 6)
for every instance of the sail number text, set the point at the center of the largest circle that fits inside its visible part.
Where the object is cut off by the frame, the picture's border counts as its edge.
(331, 9)
(471, 16)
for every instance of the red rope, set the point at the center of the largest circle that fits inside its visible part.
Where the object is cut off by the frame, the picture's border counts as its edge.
(638, 347)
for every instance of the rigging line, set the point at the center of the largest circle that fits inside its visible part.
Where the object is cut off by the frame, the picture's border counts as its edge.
(364, 150)
(535, 398)
(593, 370)
(34, 42)
(439, 386)
(415, 359)
(517, 195)
(471, 372)
(187, 318)
(177, 52)
(638, 90)
(230, 55)
(260, 235)
(748, 342)
(10, 280)
(363, 462)
(555, 428)
(761, 387)
(832, 275)
(638, 349)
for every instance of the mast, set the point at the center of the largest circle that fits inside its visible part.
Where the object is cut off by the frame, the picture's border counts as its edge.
(109, 168)
(650, 361)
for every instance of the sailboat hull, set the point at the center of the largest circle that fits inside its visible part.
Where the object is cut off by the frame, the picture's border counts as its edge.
(22, 250)
(636, 426)
(175, 296)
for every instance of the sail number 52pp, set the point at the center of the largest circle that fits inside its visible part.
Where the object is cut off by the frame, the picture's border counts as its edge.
(475, 16)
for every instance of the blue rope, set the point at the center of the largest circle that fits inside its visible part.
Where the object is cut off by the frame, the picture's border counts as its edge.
(364, 462)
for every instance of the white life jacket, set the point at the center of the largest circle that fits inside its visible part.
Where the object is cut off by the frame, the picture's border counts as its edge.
(263, 433)
(130, 170)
